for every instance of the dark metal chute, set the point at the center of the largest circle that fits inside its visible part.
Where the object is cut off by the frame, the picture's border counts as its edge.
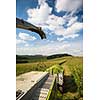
(27, 26)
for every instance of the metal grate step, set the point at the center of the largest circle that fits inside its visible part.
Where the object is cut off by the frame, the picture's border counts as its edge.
(42, 92)
(19, 93)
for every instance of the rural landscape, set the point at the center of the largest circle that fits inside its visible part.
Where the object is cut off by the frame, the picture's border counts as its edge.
(49, 49)
(73, 72)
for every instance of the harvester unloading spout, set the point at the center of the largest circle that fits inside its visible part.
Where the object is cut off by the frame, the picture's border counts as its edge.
(26, 25)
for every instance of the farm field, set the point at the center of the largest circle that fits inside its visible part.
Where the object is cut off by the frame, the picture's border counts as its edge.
(38, 65)
(73, 79)
(73, 74)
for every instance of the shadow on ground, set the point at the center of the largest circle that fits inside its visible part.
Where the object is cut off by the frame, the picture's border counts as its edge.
(69, 84)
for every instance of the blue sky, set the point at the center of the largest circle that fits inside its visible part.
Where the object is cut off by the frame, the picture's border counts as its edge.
(62, 22)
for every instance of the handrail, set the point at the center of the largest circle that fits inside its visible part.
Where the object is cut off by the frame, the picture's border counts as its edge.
(51, 87)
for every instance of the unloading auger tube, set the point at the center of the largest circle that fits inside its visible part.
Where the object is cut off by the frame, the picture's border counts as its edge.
(27, 26)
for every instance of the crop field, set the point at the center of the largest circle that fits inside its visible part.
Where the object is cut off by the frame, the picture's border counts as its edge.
(37, 66)
(73, 74)
(73, 79)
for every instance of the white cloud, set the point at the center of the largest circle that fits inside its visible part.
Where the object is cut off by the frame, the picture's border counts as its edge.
(26, 37)
(26, 45)
(72, 36)
(42, 16)
(47, 49)
(19, 41)
(72, 20)
(76, 27)
(39, 15)
(74, 48)
(60, 39)
(41, 2)
(68, 5)
(68, 36)
(54, 21)
(70, 32)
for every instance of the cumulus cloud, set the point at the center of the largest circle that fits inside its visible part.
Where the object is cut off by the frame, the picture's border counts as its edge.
(55, 23)
(68, 5)
(39, 15)
(42, 16)
(47, 49)
(26, 37)
(19, 41)
(63, 27)
(72, 20)
(70, 32)
(55, 20)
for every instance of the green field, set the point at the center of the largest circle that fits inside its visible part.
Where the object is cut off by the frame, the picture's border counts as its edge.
(38, 65)
(73, 74)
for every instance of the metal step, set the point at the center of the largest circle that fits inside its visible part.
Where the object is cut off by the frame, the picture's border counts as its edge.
(43, 89)
(39, 98)
(42, 92)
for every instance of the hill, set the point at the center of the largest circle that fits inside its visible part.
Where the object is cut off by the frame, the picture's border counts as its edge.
(36, 58)
(57, 56)
(29, 58)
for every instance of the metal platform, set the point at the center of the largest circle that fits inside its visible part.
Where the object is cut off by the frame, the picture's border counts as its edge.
(34, 85)
(28, 82)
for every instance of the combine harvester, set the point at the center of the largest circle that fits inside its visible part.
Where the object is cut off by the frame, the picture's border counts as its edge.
(38, 85)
